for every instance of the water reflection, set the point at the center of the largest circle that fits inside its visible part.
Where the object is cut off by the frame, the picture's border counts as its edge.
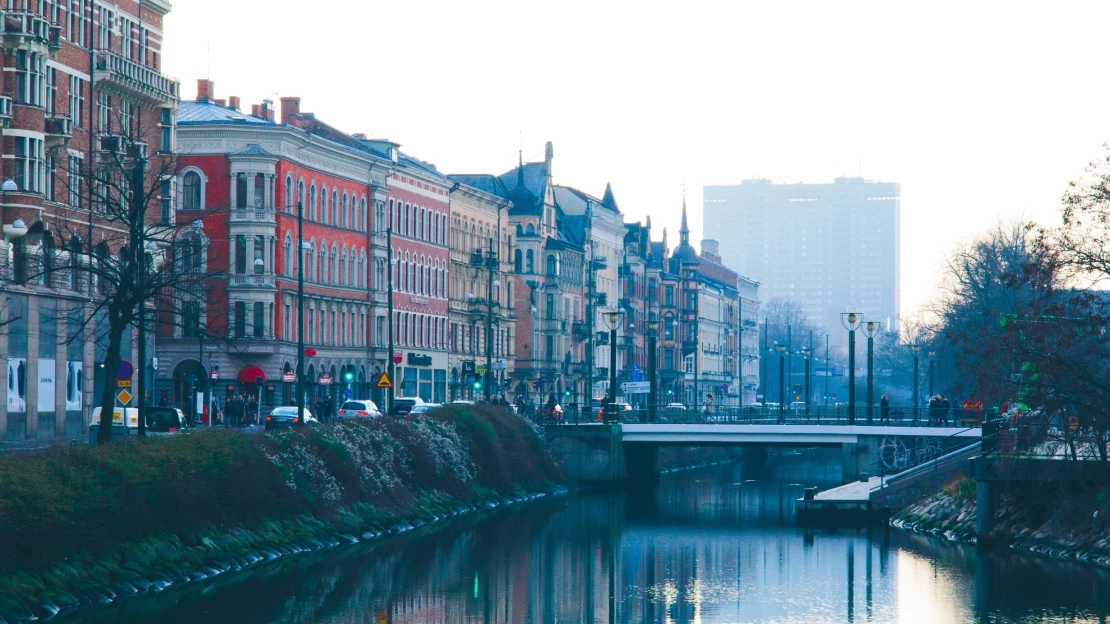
(711, 546)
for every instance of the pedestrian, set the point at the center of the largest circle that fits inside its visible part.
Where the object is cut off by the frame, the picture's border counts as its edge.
(707, 408)
(945, 406)
(884, 409)
(549, 408)
(252, 410)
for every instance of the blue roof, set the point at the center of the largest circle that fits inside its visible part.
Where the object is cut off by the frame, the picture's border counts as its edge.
(252, 149)
(196, 113)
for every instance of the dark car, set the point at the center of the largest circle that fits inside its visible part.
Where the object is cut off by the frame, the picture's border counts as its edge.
(165, 420)
(287, 417)
(403, 405)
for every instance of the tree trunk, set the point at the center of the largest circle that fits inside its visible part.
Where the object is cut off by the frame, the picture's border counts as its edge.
(111, 365)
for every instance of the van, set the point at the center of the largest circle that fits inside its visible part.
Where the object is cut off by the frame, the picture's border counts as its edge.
(159, 421)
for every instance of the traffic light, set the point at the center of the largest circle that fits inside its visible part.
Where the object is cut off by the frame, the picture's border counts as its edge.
(349, 376)
(477, 385)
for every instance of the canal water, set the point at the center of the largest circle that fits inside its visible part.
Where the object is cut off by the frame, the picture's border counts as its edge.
(712, 545)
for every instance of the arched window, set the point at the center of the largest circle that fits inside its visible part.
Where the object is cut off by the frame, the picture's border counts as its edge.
(300, 194)
(190, 199)
(312, 214)
(529, 263)
(287, 255)
(519, 230)
(531, 229)
(517, 260)
(288, 193)
(343, 222)
(362, 215)
(333, 272)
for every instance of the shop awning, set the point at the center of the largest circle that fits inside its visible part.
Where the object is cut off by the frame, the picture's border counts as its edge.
(250, 374)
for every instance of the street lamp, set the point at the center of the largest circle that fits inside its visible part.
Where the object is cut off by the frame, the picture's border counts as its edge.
(613, 320)
(300, 312)
(653, 329)
(851, 321)
(807, 353)
(781, 348)
(871, 329)
(932, 358)
(916, 349)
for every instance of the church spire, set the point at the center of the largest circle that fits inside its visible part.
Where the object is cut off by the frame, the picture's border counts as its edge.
(684, 231)
(520, 170)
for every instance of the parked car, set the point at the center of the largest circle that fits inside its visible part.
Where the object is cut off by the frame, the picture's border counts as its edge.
(675, 407)
(423, 408)
(462, 402)
(287, 416)
(359, 409)
(165, 420)
(159, 421)
(403, 405)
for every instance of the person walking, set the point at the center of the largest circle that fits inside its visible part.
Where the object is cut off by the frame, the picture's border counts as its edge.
(707, 405)
(884, 409)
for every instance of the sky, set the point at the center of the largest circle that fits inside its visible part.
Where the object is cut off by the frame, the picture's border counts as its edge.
(981, 111)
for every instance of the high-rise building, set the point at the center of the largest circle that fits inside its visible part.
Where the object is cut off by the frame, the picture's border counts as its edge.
(831, 247)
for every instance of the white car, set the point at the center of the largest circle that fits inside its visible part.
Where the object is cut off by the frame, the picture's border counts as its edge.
(359, 409)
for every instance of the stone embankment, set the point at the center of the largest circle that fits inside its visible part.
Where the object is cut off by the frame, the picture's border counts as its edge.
(1030, 524)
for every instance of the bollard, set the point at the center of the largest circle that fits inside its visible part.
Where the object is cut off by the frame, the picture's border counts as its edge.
(863, 477)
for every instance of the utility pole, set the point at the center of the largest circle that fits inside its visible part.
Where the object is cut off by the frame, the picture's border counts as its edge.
(491, 264)
(391, 394)
(139, 200)
(300, 312)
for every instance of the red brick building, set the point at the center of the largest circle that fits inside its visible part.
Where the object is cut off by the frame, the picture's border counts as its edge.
(81, 79)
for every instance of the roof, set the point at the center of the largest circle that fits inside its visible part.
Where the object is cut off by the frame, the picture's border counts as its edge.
(523, 185)
(573, 201)
(608, 200)
(252, 149)
(717, 272)
(205, 112)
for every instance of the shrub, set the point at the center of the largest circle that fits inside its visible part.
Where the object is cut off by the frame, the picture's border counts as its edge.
(961, 488)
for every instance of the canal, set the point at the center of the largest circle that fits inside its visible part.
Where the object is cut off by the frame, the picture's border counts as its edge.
(711, 545)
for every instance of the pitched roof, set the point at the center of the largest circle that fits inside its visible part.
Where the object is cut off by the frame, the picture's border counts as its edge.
(252, 149)
(717, 272)
(523, 185)
(608, 200)
(196, 113)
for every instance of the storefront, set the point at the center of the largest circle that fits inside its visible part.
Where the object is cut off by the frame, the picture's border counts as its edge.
(423, 374)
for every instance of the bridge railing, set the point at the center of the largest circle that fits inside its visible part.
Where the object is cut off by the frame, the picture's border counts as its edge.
(1041, 436)
(899, 416)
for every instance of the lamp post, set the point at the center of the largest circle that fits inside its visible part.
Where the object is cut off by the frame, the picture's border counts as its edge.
(871, 329)
(932, 358)
(391, 393)
(653, 329)
(916, 349)
(613, 321)
(807, 352)
(851, 321)
(300, 312)
(781, 348)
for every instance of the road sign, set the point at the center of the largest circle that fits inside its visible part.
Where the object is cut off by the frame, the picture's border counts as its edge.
(384, 382)
(636, 387)
(636, 375)
(480, 369)
(215, 374)
(123, 383)
(126, 370)
(310, 352)
(348, 393)
(289, 377)
(124, 397)
(398, 358)
(325, 380)
(1073, 422)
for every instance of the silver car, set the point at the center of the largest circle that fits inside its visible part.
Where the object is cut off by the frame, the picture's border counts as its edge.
(359, 409)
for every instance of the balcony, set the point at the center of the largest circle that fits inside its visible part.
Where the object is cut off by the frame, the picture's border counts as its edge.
(135, 78)
(5, 111)
(58, 130)
(581, 329)
(263, 216)
(478, 307)
(251, 281)
(26, 30)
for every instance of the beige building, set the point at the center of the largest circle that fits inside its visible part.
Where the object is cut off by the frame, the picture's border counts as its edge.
(479, 227)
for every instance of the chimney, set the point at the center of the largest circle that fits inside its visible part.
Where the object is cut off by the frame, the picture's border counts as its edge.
(711, 250)
(359, 135)
(205, 89)
(548, 154)
(290, 107)
(221, 102)
(256, 110)
(268, 110)
(233, 102)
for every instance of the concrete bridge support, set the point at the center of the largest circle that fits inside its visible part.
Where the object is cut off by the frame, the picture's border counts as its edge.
(641, 462)
(589, 453)
(986, 507)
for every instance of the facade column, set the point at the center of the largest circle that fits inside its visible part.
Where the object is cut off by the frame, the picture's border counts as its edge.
(32, 367)
(234, 189)
(61, 369)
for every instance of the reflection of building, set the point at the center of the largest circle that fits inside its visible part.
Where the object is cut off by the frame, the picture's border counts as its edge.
(479, 224)
(72, 87)
(242, 178)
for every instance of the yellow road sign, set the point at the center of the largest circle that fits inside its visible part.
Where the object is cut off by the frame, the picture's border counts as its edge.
(124, 397)
(384, 382)
(123, 383)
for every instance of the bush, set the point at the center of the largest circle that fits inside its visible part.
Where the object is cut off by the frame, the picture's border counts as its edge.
(961, 488)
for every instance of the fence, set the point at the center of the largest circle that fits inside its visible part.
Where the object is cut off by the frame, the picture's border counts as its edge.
(759, 415)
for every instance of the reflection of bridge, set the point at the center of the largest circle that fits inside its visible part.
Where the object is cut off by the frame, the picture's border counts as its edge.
(600, 452)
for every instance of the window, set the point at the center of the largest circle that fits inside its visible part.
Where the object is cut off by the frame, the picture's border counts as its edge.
(166, 132)
(190, 319)
(550, 306)
(240, 190)
(259, 259)
(76, 100)
(240, 319)
(51, 89)
(73, 175)
(104, 29)
(259, 320)
(29, 170)
(241, 254)
(103, 112)
(30, 78)
(668, 296)
(312, 214)
(190, 196)
(166, 202)
(288, 194)
(126, 117)
(287, 256)
(551, 264)
(48, 178)
(259, 189)
(529, 264)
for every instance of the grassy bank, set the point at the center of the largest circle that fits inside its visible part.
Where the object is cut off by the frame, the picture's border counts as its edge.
(81, 525)
(1046, 519)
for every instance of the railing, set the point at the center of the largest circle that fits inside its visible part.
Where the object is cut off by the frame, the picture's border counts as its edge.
(29, 25)
(676, 413)
(252, 281)
(253, 215)
(136, 77)
(6, 107)
(58, 125)
(1045, 437)
(580, 329)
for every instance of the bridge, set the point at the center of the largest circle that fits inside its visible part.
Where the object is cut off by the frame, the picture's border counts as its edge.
(614, 452)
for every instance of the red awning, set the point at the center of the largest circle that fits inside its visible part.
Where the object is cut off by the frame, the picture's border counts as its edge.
(250, 374)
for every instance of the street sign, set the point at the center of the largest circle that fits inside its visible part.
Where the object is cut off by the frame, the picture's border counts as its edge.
(154, 363)
(398, 358)
(126, 370)
(636, 387)
(325, 380)
(310, 352)
(348, 393)
(123, 383)
(124, 397)
(1073, 422)
(500, 365)
(384, 382)
(636, 376)
(289, 377)
(481, 369)
(215, 374)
